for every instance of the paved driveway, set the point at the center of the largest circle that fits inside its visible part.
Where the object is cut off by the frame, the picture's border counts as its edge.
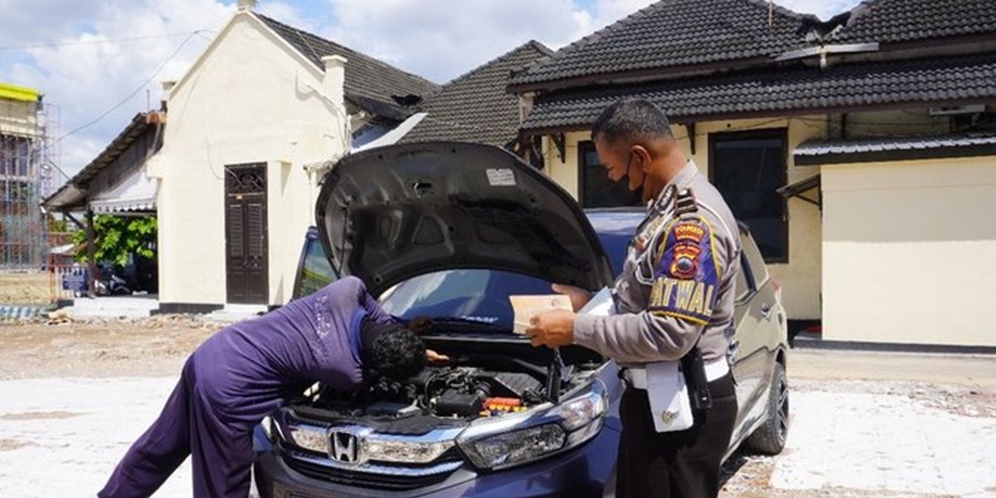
(849, 437)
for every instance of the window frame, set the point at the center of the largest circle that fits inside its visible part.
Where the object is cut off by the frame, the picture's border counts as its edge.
(780, 133)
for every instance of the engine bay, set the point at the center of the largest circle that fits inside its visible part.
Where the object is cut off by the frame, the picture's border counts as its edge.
(469, 387)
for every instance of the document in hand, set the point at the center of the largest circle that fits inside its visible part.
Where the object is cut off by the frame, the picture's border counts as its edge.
(527, 306)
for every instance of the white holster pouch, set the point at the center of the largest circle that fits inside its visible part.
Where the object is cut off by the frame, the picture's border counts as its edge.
(670, 405)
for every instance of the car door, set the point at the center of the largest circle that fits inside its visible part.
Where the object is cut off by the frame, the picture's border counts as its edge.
(749, 347)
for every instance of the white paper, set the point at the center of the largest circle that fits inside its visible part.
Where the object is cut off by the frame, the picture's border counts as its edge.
(525, 307)
(669, 403)
(601, 304)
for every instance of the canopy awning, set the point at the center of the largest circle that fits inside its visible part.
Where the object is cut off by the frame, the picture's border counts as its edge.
(800, 187)
(135, 193)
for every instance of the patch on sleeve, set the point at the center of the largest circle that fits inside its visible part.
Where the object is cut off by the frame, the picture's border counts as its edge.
(686, 279)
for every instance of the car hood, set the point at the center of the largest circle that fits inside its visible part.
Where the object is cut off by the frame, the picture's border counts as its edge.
(391, 213)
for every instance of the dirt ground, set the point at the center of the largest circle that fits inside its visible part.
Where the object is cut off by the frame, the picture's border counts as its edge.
(25, 287)
(61, 347)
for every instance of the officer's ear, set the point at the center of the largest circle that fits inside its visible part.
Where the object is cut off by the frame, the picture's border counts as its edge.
(640, 156)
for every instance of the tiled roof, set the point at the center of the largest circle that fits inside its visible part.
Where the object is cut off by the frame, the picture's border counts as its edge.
(888, 21)
(475, 107)
(823, 148)
(676, 33)
(816, 152)
(366, 77)
(799, 89)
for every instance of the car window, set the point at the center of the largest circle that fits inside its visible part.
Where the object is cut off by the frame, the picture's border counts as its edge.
(478, 295)
(315, 271)
(758, 270)
(742, 285)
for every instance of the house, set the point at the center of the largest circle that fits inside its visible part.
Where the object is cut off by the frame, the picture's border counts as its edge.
(475, 107)
(23, 178)
(252, 126)
(861, 150)
(114, 182)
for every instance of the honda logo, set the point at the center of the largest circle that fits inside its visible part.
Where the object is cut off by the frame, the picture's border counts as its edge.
(344, 446)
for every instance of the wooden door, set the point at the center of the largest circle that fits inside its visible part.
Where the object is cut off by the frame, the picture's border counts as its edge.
(246, 248)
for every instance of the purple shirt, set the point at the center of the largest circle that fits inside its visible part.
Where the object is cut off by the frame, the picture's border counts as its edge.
(249, 369)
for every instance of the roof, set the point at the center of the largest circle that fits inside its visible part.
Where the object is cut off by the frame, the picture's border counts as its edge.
(888, 21)
(475, 106)
(366, 77)
(674, 33)
(795, 90)
(895, 148)
(19, 93)
(72, 194)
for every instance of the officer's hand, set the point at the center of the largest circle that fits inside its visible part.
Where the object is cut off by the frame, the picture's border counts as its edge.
(579, 297)
(552, 329)
(435, 357)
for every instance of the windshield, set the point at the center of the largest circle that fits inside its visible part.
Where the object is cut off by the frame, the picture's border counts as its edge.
(475, 295)
(482, 295)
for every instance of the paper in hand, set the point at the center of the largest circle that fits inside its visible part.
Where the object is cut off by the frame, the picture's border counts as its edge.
(527, 306)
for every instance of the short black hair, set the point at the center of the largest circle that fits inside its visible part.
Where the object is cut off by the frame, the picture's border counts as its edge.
(632, 120)
(391, 350)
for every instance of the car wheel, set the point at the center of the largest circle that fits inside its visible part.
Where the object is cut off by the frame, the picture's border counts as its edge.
(769, 439)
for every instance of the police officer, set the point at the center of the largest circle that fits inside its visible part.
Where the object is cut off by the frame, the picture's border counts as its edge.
(673, 300)
(338, 335)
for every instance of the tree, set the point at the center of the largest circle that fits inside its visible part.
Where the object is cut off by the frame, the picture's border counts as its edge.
(118, 237)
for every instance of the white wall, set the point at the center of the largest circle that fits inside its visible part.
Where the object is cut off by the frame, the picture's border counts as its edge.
(800, 277)
(909, 251)
(249, 98)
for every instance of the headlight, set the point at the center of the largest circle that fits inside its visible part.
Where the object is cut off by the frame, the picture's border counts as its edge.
(505, 442)
(515, 447)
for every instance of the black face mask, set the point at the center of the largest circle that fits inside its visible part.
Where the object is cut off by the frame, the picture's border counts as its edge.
(623, 196)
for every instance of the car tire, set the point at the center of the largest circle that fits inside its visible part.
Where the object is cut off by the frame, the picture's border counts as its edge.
(769, 439)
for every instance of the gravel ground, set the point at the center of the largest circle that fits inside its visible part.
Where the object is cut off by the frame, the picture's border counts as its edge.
(76, 393)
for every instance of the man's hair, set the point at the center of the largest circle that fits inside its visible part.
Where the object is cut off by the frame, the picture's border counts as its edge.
(392, 351)
(633, 121)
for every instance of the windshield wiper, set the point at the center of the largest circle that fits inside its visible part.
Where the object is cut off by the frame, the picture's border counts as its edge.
(466, 324)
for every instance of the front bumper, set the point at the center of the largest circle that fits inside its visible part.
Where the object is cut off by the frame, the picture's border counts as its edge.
(581, 472)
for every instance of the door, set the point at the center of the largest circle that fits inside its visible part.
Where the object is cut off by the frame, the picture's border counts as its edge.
(246, 247)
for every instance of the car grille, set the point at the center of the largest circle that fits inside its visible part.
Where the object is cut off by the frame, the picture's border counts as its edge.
(388, 477)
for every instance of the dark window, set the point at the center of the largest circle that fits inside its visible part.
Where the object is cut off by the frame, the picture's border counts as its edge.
(595, 190)
(747, 167)
(314, 271)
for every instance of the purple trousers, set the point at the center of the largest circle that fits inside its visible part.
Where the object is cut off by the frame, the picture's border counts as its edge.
(188, 425)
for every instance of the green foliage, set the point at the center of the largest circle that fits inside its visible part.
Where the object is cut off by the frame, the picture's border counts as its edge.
(117, 237)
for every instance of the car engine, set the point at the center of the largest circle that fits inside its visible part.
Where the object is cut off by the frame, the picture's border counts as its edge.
(458, 392)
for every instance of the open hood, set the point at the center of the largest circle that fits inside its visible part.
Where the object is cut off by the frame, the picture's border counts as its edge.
(391, 213)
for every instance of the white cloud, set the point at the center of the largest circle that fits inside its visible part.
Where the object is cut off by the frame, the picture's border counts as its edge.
(99, 56)
(824, 9)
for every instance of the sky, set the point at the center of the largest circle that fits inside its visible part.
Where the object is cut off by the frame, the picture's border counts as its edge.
(99, 62)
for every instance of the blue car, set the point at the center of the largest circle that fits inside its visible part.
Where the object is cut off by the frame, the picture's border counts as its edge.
(449, 231)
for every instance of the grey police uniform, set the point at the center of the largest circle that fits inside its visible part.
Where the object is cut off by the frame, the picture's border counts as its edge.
(676, 289)
(637, 334)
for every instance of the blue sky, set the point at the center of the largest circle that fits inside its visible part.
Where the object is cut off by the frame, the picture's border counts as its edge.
(98, 62)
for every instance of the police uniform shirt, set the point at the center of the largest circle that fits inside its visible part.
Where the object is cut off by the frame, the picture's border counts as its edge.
(677, 283)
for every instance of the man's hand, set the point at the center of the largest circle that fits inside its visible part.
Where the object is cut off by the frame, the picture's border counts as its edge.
(552, 329)
(579, 297)
(435, 357)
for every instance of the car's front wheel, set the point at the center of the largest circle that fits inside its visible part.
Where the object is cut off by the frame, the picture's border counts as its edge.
(769, 439)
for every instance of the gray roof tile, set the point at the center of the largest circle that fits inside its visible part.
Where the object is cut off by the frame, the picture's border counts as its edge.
(886, 21)
(366, 77)
(475, 106)
(799, 89)
(675, 33)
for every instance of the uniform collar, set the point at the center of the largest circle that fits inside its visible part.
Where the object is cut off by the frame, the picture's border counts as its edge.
(681, 180)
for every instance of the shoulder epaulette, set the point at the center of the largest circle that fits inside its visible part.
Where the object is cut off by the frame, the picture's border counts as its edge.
(684, 202)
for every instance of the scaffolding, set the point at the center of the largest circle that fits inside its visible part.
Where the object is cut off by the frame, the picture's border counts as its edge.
(26, 165)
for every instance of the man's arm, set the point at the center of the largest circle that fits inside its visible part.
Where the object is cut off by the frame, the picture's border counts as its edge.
(689, 262)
